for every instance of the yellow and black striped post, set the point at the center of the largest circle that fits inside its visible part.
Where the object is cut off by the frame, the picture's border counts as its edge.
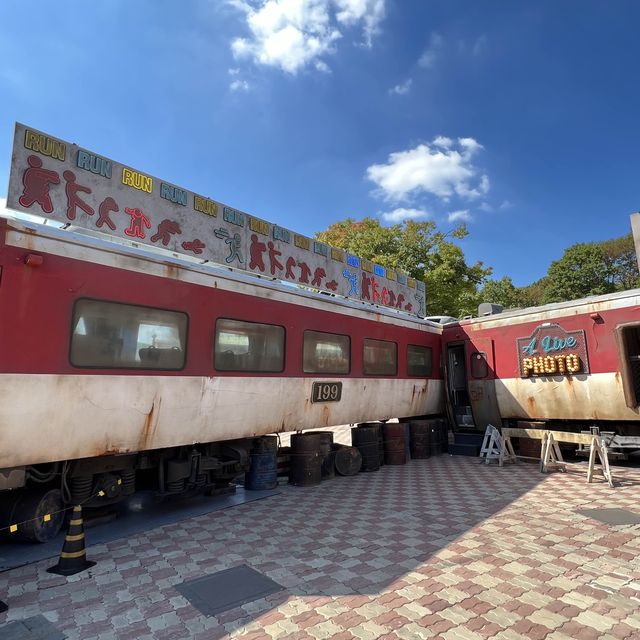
(73, 558)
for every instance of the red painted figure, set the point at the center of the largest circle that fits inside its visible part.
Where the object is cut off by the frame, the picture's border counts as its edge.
(36, 181)
(255, 252)
(333, 285)
(73, 200)
(305, 272)
(138, 220)
(392, 298)
(318, 274)
(366, 281)
(400, 301)
(107, 206)
(291, 262)
(384, 298)
(375, 289)
(194, 245)
(165, 229)
(273, 258)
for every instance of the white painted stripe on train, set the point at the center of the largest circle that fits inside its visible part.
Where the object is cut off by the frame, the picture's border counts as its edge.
(44, 418)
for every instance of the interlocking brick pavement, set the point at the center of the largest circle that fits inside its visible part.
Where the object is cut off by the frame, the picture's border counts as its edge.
(443, 548)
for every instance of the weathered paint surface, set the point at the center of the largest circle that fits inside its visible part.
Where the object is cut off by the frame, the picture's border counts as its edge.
(83, 416)
(598, 396)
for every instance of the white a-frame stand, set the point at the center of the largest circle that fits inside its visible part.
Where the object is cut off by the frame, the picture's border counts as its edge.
(496, 447)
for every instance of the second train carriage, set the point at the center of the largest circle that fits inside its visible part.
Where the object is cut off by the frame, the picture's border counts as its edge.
(572, 364)
(116, 362)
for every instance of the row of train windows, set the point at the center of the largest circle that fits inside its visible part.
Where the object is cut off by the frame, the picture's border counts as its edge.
(115, 335)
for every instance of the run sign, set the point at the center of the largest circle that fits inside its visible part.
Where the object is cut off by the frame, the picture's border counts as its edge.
(64, 182)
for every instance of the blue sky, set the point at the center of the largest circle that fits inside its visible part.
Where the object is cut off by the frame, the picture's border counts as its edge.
(520, 118)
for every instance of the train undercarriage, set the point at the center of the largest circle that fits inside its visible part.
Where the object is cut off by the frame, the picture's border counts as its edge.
(34, 499)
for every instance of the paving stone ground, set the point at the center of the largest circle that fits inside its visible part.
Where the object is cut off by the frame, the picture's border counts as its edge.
(444, 548)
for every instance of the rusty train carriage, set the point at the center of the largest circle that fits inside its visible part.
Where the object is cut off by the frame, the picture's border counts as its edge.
(122, 365)
(574, 364)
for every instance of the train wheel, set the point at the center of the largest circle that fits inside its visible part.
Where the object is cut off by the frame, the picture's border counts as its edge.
(32, 507)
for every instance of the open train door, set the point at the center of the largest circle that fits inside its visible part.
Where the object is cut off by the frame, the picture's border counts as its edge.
(470, 384)
(480, 359)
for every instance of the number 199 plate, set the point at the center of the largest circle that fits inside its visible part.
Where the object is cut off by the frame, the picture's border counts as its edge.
(326, 392)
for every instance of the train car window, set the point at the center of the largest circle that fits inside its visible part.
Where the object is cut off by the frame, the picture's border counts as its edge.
(248, 346)
(112, 335)
(419, 360)
(380, 358)
(326, 352)
(479, 366)
(630, 349)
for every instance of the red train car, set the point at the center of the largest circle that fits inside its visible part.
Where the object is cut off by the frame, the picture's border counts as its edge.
(122, 365)
(573, 364)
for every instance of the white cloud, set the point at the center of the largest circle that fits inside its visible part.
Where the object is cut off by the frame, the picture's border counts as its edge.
(400, 215)
(462, 215)
(370, 12)
(239, 85)
(442, 168)
(430, 55)
(294, 34)
(479, 46)
(485, 206)
(506, 204)
(401, 89)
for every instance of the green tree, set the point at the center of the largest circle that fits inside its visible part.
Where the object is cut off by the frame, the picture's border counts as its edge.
(582, 271)
(502, 292)
(421, 251)
(622, 265)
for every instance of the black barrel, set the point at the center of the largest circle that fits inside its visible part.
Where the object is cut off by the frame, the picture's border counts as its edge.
(264, 444)
(379, 426)
(305, 466)
(263, 471)
(347, 460)
(393, 438)
(420, 439)
(328, 469)
(365, 438)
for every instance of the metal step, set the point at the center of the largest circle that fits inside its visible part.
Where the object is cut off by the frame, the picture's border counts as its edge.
(464, 450)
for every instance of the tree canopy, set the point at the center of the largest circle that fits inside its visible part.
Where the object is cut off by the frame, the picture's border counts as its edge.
(455, 287)
(421, 251)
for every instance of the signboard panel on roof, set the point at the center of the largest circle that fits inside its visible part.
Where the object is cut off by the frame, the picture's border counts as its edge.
(65, 182)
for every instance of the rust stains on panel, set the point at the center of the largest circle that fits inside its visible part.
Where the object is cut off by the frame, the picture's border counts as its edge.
(149, 425)
(531, 404)
(171, 271)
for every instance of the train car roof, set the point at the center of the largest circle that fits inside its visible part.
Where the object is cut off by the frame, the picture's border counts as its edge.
(591, 304)
(97, 241)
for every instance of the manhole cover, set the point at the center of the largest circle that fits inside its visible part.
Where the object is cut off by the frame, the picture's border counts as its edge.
(227, 589)
(34, 628)
(611, 516)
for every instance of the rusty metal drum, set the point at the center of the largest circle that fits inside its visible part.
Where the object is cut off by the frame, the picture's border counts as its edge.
(305, 466)
(347, 460)
(394, 443)
(365, 438)
(420, 439)
(327, 453)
